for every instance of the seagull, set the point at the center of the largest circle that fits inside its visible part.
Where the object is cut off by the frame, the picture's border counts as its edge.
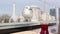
(27, 13)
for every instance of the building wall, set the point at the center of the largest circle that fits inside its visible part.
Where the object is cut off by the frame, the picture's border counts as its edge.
(36, 13)
(53, 12)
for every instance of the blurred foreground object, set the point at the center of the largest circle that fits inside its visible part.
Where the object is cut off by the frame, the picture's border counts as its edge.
(44, 29)
(26, 32)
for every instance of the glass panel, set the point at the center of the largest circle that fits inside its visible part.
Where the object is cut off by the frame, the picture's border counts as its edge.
(29, 13)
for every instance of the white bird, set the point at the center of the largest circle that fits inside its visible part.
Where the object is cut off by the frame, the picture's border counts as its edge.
(27, 13)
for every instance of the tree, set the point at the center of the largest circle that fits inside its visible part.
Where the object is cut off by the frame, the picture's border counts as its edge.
(5, 18)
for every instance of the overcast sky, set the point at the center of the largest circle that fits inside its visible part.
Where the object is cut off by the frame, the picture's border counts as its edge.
(6, 5)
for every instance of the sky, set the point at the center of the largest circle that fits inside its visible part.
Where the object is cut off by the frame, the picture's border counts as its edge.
(6, 6)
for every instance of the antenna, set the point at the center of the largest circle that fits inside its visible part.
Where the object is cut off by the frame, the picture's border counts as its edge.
(45, 6)
(13, 1)
(34, 2)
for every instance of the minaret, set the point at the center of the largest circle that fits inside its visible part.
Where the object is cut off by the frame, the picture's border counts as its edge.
(14, 14)
(14, 8)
